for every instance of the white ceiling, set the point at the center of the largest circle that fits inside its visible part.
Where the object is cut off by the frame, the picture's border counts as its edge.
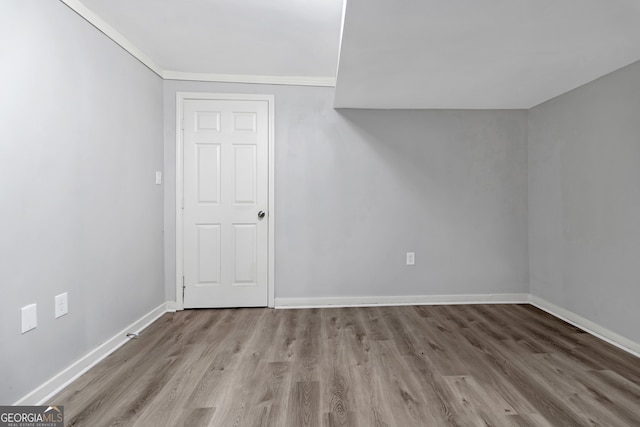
(480, 53)
(242, 37)
(394, 54)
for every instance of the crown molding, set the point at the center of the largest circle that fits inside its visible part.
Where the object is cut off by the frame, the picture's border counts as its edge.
(239, 78)
(82, 10)
(78, 7)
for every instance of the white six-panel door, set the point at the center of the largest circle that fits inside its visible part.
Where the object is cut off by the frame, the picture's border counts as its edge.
(225, 217)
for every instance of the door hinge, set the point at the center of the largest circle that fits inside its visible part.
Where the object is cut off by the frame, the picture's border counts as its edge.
(183, 287)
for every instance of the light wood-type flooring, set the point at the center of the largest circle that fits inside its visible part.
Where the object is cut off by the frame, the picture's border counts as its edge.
(464, 365)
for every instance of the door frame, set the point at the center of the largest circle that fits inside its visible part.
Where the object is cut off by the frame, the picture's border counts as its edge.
(180, 98)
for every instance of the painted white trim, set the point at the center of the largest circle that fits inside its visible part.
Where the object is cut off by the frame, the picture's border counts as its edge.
(172, 307)
(78, 7)
(323, 81)
(180, 98)
(587, 325)
(271, 233)
(89, 360)
(401, 300)
(179, 303)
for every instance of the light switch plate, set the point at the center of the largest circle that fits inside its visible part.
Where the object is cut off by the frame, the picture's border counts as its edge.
(158, 177)
(29, 317)
(411, 258)
(62, 305)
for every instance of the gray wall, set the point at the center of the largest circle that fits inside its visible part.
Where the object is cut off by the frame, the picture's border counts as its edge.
(357, 189)
(79, 211)
(584, 201)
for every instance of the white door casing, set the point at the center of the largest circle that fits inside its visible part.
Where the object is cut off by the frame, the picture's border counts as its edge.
(224, 244)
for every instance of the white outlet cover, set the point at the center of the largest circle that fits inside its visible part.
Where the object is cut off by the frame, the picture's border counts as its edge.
(61, 305)
(29, 317)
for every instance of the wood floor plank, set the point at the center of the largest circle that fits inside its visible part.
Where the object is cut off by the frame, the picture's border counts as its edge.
(374, 323)
(540, 391)
(282, 347)
(405, 344)
(402, 388)
(371, 409)
(304, 404)
(570, 383)
(194, 358)
(490, 319)
(269, 387)
(542, 334)
(369, 405)
(623, 363)
(616, 383)
(502, 365)
(342, 346)
(528, 420)
(488, 367)
(432, 341)
(195, 417)
(622, 407)
(337, 400)
(307, 350)
(223, 361)
(471, 360)
(478, 396)
(233, 400)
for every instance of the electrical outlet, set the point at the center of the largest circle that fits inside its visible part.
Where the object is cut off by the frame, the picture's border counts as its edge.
(411, 258)
(29, 317)
(62, 305)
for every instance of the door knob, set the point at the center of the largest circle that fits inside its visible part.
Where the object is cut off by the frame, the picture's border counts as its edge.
(261, 214)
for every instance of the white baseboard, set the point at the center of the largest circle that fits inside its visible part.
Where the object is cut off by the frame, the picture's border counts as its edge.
(172, 306)
(587, 325)
(79, 367)
(401, 300)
